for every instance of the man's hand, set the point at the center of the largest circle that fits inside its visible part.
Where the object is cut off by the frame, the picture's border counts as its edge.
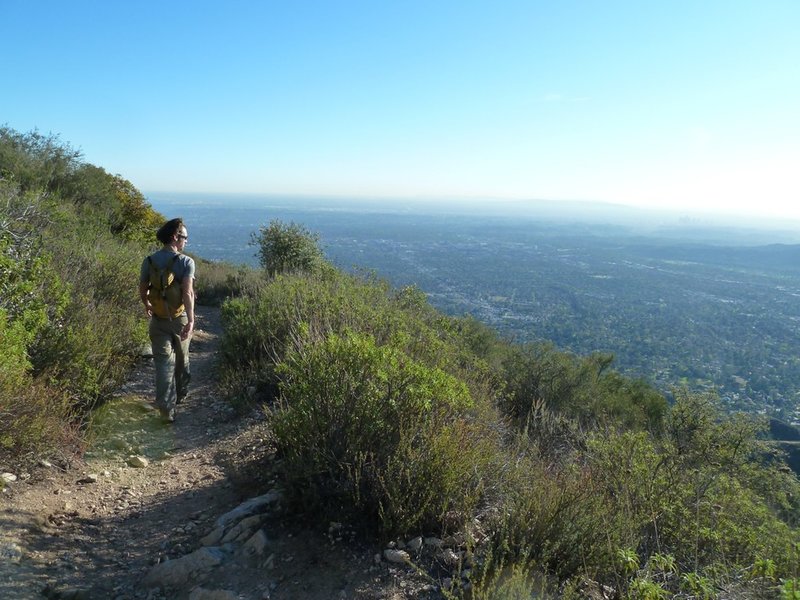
(148, 308)
(187, 331)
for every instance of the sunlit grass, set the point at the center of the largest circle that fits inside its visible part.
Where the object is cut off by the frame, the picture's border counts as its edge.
(126, 426)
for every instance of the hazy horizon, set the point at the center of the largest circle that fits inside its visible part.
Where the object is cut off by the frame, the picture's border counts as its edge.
(646, 220)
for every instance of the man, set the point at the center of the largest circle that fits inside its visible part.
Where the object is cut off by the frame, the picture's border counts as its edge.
(166, 287)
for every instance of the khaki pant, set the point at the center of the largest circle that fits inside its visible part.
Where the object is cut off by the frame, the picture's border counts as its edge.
(171, 357)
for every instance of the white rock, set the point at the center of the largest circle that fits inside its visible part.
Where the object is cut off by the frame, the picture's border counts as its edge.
(248, 508)
(45, 463)
(256, 544)
(213, 538)
(415, 544)
(433, 542)
(243, 529)
(450, 558)
(201, 594)
(138, 462)
(8, 477)
(179, 571)
(396, 556)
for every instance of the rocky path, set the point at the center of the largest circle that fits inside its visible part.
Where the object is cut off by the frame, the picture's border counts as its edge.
(160, 514)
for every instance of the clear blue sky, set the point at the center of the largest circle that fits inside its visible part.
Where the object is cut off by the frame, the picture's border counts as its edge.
(680, 103)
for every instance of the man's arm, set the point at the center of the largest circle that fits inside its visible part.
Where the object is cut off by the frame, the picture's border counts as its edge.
(187, 287)
(143, 287)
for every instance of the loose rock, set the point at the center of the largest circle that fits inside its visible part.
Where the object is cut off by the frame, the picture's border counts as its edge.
(248, 508)
(201, 594)
(256, 544)
(213, 538)
(138, 462)
(179, 571)
(415, 544)
(396, 556)
(433, 542)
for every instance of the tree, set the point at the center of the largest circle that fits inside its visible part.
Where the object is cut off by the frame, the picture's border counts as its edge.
(286, 248)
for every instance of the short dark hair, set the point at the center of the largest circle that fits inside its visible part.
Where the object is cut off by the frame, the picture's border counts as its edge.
(168, 229)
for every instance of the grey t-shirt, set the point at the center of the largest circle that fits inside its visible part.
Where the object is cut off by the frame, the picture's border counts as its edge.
(182, 267)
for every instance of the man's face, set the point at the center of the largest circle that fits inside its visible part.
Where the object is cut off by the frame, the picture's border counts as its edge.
(181, 237)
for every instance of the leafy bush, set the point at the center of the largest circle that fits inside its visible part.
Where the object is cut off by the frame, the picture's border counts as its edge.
(260, 329)
(551, 518)
(36, 162)
(287, 248)
(34, 412)
(219, 281)
(92, 345)
(701, 492)
(365, 428)
(582, 388)
(70, 323)
(40, 417)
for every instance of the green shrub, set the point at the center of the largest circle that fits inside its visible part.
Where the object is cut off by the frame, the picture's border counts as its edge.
(41, 420)
(365, 428)
(92, 344)
(34, 161)
(551, 517)
(219, 281)
(72, 238)
(261, 328)
(790, 589)
(287, 248)
(700, 493)
(581, 388)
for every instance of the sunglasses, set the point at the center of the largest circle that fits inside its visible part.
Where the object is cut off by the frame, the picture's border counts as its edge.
(183, 237)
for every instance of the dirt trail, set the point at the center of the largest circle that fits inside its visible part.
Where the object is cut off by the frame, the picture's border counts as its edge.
(65, 535)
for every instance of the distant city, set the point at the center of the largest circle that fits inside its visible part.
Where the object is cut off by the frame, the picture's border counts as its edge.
(679, 301)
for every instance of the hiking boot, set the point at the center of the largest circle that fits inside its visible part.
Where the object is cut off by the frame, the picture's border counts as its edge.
(180, 399)
(167, 415)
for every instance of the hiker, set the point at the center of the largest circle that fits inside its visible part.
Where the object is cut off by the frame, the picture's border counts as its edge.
(166, 287)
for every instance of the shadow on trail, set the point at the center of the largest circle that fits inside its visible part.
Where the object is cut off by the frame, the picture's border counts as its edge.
(107, 557)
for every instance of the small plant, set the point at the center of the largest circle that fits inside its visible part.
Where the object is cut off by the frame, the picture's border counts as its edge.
(646, 589)
(763, 568)
(790, 589)
(662, 563)
(628, 561)
(698, 586)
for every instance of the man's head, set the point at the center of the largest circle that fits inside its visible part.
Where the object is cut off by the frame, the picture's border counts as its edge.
(173, 233)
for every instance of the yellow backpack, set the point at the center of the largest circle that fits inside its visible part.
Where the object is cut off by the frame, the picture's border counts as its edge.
(164, 292)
